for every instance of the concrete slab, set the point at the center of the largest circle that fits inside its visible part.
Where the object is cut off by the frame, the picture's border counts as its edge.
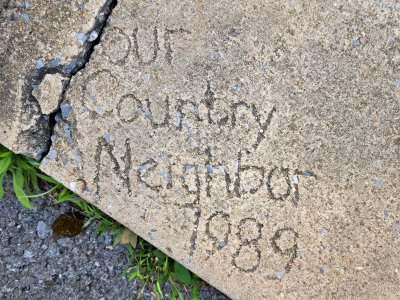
(39, 37)
(255, 142)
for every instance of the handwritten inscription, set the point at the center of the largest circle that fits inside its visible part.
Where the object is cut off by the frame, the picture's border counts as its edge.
(276, 183)
(249, 235)
(203, 113)
(186, 116)
(168, 35)
(155, 47)
(189, 178)
(200, 177)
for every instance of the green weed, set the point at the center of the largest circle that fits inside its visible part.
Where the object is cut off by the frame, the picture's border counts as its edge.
(147, 264)
(153, 267)
(26, 177)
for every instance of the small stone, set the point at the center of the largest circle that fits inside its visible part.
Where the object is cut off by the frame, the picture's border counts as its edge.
(52, 154)
(81, 37)
(54, 63)
(355, 42)
(150, 234)
(25, 17)
(65, 110)
(236, 88)
(53, 138)
(93, 35)
(68, 133)
(107, 239)
(49, 92)
(53, 251)
(64, 160)
(28, 254)
(39, 64)
(64, 242)
(72, 186)
(70, 66)
(233, 32)
(107, 137)
(280, 274)
(41, 229)
(378, 183)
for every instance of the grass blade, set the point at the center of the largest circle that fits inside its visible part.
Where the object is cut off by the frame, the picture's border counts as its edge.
(1, 185)
(182, 274)
(19, 192)
(4, 154)
(48, 179)
(5, 164)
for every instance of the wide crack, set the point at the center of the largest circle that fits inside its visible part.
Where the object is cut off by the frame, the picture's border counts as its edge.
(81, 62)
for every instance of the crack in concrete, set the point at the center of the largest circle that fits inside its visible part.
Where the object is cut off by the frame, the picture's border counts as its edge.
(81, 62)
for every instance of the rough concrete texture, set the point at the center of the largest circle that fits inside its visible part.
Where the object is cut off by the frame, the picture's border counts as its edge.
(39, 37)
(49, 92)
(255, 142)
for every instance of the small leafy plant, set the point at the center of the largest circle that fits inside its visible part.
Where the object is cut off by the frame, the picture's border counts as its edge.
(153, 267)
(26, 177)
(147, 264)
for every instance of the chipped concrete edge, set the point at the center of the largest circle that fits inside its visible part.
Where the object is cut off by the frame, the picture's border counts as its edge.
(40, 125)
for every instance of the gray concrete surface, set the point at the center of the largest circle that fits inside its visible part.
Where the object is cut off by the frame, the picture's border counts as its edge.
(256, 142)
(36, 38)
(35, 265)
(257, 139)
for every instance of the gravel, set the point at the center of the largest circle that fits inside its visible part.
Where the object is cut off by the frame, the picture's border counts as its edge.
(35, 264)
